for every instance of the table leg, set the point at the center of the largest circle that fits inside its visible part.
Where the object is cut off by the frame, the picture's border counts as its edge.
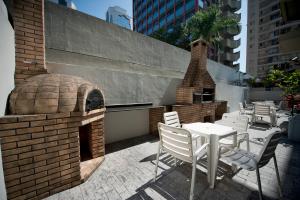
(213, 160)
(234, 167)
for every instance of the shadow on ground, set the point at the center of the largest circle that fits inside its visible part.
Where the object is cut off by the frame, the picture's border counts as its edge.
(174, 182)
(124, 144)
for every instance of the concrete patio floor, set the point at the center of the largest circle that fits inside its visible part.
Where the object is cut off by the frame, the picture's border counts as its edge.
(128, 168)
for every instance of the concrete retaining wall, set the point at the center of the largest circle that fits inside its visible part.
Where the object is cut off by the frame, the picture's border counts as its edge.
(260, 94)
(129, 67)
(120, 125)
(7, 57)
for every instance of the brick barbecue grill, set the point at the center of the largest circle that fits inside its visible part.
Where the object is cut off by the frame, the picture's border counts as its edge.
(195, 97)
(53, 135)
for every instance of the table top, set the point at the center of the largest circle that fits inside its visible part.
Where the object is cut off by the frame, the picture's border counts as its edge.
(207, 129)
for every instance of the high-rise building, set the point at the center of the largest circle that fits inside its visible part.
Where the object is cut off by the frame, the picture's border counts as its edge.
(118, 16)
(67, 3)
(149, 16)
(272, 40)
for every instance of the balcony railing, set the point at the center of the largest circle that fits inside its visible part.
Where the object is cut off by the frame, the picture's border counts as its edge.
(236, 16)
(231, 56)
(230, 43)
(232, 5)
(232, 31)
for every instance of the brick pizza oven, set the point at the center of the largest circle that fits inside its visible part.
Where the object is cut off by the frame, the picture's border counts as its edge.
(52, 136)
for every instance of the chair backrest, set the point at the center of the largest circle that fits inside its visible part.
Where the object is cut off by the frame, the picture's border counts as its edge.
(261, 109)
(280, 105)
(176, 141)
(239, 123)
(242, 109)
(268, 150)
(172, 119)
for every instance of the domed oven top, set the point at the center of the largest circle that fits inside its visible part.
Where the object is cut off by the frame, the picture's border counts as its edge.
(55, 93)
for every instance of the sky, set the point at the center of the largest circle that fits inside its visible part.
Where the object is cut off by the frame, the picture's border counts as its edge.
(98, 9)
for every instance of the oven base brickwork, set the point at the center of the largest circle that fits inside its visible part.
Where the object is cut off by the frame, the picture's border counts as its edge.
(187, 113)
(41, 153)
(195, 112)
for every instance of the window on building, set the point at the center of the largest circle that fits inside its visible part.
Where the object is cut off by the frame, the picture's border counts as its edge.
(201, 3)
(179, 11)
(275, 16)
(161, 22)
(170, 17)
(170, 4)
(190, 5)
(162, 10)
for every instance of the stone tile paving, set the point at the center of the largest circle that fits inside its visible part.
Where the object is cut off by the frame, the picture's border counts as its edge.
(128, 170)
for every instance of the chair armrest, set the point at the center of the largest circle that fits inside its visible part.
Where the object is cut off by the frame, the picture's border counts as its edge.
(244, 134)
(195, 136)
(258, 143)
(198, 151)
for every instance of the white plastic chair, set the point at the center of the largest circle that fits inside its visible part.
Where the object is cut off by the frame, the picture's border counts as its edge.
(172, 119)
(243, 111)
(263, 110)
(251, 161)
(178, 143)
(238, 123)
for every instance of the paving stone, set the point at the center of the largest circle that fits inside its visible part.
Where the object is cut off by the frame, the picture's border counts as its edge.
(128, 170)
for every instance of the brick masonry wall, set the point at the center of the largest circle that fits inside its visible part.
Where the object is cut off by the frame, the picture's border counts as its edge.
(197, 75)
(195, 112)
(28, 17)
(155, 116)
(221, 109)
(184, 95)
(96, 139)
(41, 153)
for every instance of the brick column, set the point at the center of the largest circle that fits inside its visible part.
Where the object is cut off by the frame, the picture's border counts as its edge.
(155, 116)
(96, 138)
(28, 16)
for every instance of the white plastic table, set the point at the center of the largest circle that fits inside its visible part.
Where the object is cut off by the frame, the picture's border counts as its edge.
(213, 133)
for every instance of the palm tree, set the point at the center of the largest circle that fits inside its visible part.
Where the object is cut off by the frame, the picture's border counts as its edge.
(209, 25)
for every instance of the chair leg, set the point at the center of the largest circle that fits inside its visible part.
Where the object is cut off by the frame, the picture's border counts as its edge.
(157, 159)
(175, 162)
(277, 174)
(193, 179)
(248, 143)
(259, 184)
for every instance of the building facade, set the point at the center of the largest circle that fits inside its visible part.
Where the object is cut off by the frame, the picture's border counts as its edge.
(117, 15)
(271, 39)
(150, 16)
(67, 3)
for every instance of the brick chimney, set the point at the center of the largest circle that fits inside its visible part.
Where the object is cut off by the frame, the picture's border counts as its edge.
(28, 17)
(197, 79)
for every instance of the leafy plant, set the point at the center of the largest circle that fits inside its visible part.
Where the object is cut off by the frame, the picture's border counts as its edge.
(209, 25)
(289, 82)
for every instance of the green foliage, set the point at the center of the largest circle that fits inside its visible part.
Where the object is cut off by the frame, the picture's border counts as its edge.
(209, 25)
(289, 82)
(175, 37)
